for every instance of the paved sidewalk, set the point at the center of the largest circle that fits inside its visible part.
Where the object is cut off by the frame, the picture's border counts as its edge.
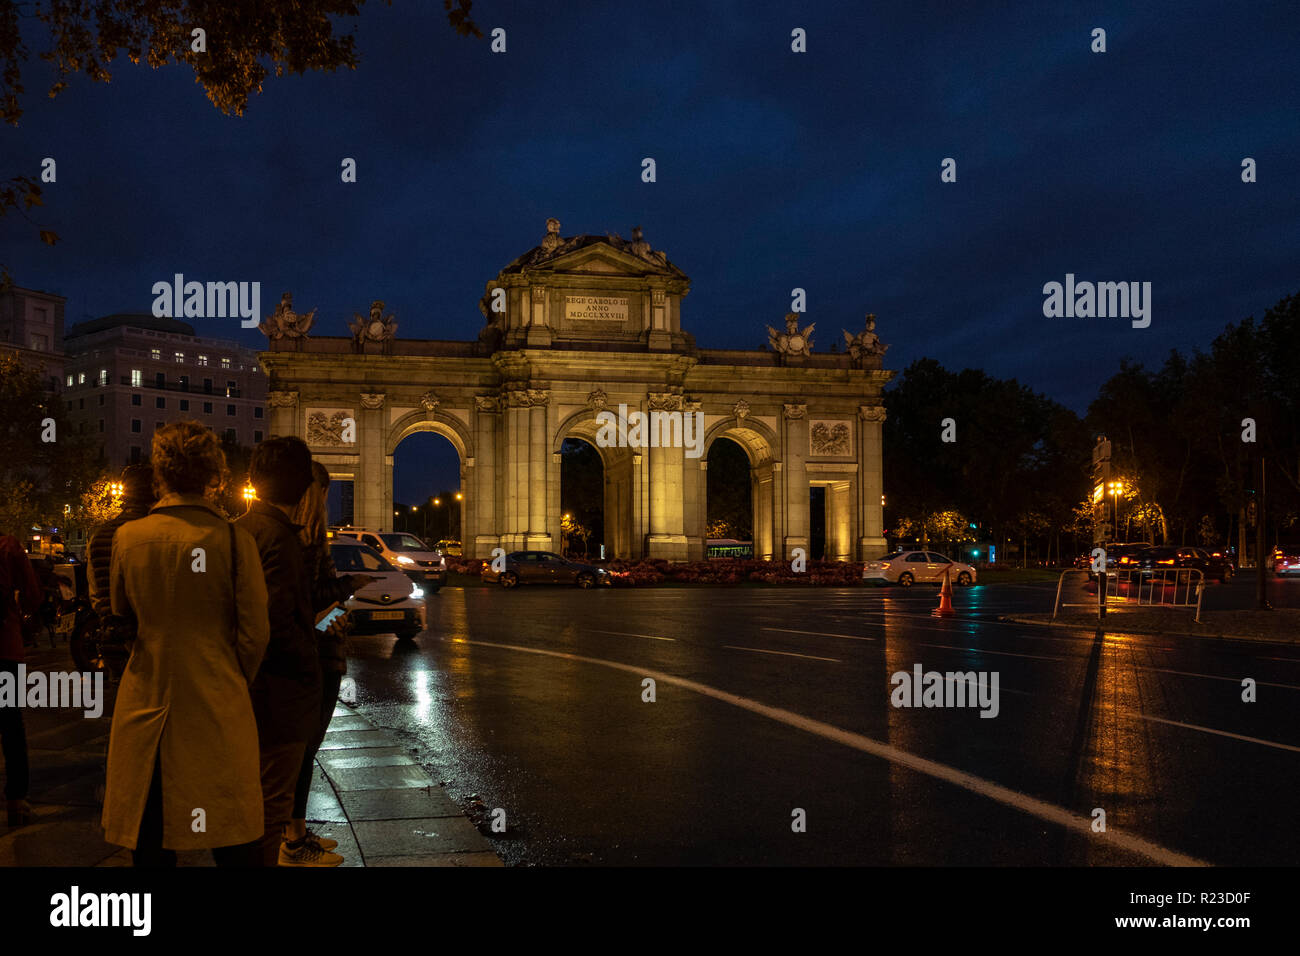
(367, 793)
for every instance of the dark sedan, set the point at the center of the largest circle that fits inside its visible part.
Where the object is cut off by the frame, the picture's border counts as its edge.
(545, 567)
(1211, 564)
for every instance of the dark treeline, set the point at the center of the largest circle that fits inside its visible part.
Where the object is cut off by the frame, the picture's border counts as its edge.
(1019, 464)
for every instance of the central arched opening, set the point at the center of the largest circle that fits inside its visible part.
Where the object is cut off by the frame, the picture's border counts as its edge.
(729, 500)
(582, 499)
(739, 491)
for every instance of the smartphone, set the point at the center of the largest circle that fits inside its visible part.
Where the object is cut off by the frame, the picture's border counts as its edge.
(332, 614)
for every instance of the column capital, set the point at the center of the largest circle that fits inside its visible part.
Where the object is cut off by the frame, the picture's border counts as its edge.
(871, 413)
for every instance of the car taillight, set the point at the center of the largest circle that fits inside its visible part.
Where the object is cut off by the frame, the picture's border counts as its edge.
(1165, 561)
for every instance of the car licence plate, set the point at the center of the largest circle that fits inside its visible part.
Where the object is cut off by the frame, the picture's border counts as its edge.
(387, 615)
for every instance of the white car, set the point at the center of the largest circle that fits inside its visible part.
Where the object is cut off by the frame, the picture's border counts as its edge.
(906, 568)
(392, 604)
(404, 550)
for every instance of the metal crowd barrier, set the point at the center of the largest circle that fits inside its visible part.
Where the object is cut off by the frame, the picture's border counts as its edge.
(1165, 587)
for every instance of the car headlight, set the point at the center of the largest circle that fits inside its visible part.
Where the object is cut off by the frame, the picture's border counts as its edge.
(403, 559)
(417, 593)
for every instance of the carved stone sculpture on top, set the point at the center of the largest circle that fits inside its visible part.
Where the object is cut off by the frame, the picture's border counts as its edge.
(284, 323)
(378, 328)
(793, 341)
(551, 241)
(866, 343)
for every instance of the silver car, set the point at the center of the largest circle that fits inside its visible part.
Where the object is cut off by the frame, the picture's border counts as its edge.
(906, 568)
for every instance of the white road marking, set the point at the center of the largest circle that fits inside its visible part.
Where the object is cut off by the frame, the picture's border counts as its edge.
(980, 650)
(1221, 733)
(653, 637)
(1235, 680)
(851, 637)
(759, 650)
(986, 788)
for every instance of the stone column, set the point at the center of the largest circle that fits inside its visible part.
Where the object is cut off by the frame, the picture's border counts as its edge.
(514, 524)
(539, 470)
(667, 483)
(870, 518)
(284, 414)
(482, 519)
(368, 488)
(795, 456)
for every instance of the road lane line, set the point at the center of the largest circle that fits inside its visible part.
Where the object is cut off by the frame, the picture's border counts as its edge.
(986, 788)
(851, 637)
(653, 637)
(759, 650)
(1221, 733)
(980, 650)
(1235, 680)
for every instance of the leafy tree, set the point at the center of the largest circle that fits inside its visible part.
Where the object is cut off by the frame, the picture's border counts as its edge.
(37, 477)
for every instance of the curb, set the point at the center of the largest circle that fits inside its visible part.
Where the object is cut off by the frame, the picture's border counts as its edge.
(382, 807)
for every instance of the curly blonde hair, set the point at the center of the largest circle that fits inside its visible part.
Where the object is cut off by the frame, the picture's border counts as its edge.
(187, 459)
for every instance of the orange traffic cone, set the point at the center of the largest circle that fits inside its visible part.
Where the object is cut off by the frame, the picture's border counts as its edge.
(945, 608)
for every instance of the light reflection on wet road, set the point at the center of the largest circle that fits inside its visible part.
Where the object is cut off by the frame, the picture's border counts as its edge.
(589, 773)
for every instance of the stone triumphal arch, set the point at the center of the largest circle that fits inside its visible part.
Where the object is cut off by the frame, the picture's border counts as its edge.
(575, 327)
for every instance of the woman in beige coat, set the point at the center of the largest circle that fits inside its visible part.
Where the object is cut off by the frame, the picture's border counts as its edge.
(183, 770)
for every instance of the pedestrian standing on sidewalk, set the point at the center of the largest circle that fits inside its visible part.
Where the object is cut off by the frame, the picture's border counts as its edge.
(21, 595)
(327, 587)
(117, 634)
(183, 769)
(287, 691)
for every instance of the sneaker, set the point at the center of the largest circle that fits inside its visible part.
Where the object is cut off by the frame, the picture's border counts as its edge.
(325, 843)
(307, 853)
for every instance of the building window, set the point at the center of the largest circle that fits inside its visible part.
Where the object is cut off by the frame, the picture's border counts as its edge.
(230, 436)
(156, 354)
(81, 403)
(257, 437)
(81, 378)
(185, 404)
(135, 454)
(158, 425)
(101, 399)
(69, 381)
(103, 377)
(135, 425)
(207, 386)
(101, 424)
(203, 360)
(207, 408)
(225, 363)
(257, 412)
(40, 343)
(160, 380)
(137, 378)
(135, 399)
(230, 409)
(180, 357)
(160, 402)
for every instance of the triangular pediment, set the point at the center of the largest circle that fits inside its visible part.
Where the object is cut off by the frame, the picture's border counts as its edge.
(595, 255)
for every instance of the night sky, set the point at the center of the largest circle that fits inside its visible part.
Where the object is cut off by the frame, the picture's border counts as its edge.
(775, 170)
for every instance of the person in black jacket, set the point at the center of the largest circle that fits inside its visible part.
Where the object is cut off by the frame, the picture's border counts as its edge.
(327, 587)
(287, 690)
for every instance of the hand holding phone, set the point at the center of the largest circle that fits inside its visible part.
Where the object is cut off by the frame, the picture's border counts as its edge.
(329, 616)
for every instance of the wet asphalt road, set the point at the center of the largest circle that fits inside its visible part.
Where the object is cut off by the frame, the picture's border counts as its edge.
(1150, 729)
